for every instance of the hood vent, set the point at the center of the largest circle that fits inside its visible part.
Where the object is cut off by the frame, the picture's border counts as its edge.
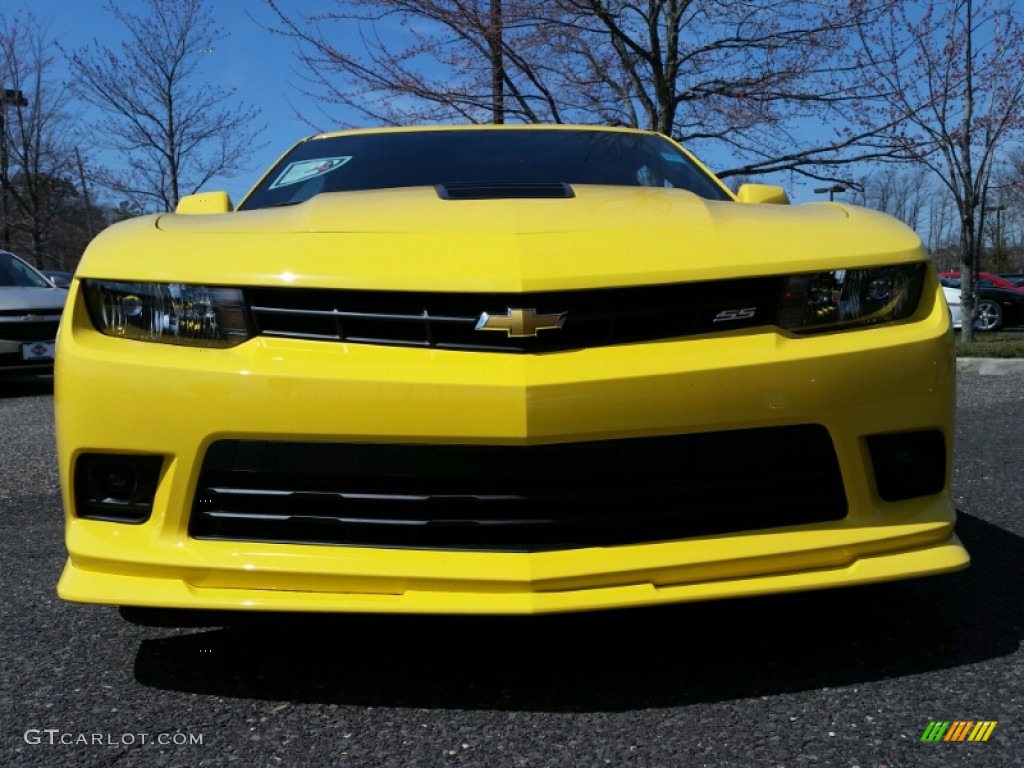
(498, 190)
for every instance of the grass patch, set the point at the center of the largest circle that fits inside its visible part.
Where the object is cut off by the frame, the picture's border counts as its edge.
(991, 345)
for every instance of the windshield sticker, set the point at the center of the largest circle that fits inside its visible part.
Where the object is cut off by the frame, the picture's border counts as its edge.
(308, 169)
(672, 157)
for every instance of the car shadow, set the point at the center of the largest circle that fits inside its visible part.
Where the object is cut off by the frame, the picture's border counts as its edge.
(615, 661)
(12, 386)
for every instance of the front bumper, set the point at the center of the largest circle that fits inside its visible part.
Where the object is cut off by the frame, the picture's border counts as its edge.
(123, 397)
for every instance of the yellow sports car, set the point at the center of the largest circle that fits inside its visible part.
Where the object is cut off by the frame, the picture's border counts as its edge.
(501, 370)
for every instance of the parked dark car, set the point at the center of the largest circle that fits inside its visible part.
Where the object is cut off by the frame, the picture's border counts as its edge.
(998, 307)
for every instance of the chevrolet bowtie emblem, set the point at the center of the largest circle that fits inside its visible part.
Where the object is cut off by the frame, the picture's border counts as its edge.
(520, 322)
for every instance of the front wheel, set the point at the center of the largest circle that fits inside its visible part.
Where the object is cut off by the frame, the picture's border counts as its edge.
(989, 316)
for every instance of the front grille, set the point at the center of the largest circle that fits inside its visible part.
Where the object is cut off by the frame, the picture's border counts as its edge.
(593, 318)
(26, 330)
(518, 498)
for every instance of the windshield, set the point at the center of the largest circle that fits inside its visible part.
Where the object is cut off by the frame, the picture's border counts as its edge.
(15, 272)
(428, 158)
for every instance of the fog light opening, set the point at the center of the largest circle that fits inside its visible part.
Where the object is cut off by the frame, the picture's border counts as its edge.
(116, 488)
(115, 482)
(908, 465)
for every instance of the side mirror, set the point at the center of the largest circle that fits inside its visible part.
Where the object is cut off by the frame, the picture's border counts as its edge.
(205, 202)
(762, 193)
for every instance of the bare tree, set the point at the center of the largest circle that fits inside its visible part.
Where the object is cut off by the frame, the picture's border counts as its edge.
(904, 193)
(36, 147)
(1009, 188)
(950, 75)
(943, 233)
(744, 75)
(747, 76)
(175, 131)
(423, 60)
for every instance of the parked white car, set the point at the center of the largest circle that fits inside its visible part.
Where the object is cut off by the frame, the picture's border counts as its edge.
(953, 300)
(30, 309)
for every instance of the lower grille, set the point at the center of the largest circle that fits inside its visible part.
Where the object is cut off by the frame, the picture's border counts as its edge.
(519, 499)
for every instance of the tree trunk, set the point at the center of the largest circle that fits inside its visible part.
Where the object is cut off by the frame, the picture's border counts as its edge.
(968, 268)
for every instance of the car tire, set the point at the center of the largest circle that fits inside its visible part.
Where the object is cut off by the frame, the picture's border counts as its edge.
(989, 315)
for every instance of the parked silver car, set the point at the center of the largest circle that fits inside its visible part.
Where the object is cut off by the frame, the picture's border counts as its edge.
(30, 309)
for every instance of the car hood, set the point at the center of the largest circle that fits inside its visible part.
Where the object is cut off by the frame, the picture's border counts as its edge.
(16, 298)
(411, 239)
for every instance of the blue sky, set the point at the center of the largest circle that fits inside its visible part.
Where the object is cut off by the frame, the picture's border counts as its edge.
(258, 64)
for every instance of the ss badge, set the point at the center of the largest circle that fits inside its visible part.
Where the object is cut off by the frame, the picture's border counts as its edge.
(728, 315)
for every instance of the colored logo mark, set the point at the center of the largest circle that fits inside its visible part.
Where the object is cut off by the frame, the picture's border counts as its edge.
(959, 730)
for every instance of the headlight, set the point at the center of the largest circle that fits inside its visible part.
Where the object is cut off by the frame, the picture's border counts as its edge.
(169, 313)
(848, 298)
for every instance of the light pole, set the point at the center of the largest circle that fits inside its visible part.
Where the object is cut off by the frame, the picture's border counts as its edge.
(1002, 260)
(8, 97)
(831, 191)
(997, 261)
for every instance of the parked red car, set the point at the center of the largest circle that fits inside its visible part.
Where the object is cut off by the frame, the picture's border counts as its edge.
(985, 280)
(1017, 278)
